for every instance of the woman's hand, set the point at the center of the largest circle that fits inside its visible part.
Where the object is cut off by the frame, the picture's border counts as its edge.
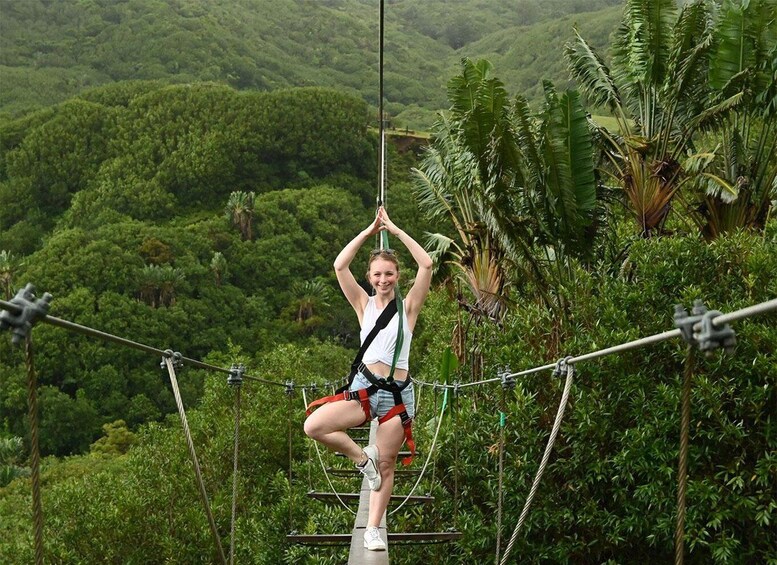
(386, 222)
(375, 227)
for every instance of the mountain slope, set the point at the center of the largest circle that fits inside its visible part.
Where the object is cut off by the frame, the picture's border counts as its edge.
(50, 51)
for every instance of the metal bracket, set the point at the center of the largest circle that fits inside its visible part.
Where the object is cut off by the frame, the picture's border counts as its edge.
(31, 308)
(508, 381)
(236, 374)
(700, 330)
(562, 365)
(175, 356)
(710, 337)
(685, 322)
(289, 388)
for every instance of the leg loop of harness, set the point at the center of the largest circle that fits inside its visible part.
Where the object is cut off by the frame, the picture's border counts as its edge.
(407, 424)
(362, 395)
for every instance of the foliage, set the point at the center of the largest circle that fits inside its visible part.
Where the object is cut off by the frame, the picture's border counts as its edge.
(657, 90)
(515, 187)
(240, 212)
(739, 183)
(608, 494)
(11, 453)
(50, 52)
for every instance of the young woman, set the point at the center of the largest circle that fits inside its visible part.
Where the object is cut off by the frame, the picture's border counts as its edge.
(328, 424)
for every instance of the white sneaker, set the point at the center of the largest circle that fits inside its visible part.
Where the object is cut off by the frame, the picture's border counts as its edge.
(372, 539)
(370, 468)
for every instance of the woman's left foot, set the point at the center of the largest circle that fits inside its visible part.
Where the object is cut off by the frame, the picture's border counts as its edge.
(370, 468)
(372, 539)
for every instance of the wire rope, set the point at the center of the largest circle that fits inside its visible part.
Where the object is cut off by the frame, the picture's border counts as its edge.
(32, 413)
(548, 448)
(428, 457)
(323, 467)
(682, 466)
(197, 471)
(234, 478)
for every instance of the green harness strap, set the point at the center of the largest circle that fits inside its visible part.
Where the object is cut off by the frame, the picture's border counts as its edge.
(400, 313)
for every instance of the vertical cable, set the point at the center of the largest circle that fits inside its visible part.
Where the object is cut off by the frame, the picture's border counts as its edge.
(193, 454)
(682, 467)
(502, 419)
(291, 476)
(382, 173)
(456, 453)
(234, 478)
(32, 412)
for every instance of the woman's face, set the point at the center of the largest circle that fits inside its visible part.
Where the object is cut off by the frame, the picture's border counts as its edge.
(383, 276)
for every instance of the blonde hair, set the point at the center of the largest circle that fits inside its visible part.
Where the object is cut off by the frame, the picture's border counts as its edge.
(386, 255)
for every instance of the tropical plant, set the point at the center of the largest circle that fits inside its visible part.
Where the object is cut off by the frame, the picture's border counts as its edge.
(310, 297)
(219, 267)
(740, 180)
(240, 211)
(158, 284)
(519, 189)
(11, 453)
(8, 268)
(656, 91)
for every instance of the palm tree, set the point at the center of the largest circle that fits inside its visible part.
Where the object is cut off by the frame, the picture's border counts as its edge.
(240, 211)
(219, 267)
(739, 181)
(310, 297)
(158, 285)
(8, 267)
(656, 92)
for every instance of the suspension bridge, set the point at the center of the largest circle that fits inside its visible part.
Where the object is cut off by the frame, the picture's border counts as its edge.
(702, 329)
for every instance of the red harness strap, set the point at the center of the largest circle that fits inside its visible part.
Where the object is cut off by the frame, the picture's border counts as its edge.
(407, 423)
(362, 395)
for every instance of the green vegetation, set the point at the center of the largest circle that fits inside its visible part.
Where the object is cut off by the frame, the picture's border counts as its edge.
(51, 51)
(204, 217)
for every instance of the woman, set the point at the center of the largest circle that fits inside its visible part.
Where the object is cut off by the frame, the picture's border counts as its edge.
(328, 424)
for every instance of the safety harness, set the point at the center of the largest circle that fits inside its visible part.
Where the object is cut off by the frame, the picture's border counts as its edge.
(376, 383)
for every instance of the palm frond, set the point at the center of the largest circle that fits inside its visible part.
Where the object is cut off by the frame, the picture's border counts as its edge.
(735, 50)
(714, 115)
(592, 74)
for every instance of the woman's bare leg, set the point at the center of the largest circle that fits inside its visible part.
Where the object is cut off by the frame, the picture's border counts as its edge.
(328, 423)
(389, 439)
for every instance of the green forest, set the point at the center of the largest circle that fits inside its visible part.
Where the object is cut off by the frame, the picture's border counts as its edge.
(51, 51)
(183, 175)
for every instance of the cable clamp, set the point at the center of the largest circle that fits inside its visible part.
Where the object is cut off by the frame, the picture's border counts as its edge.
(710, 337)
(508, 381)
(236, 372)
(176, 358)
(456, 387)
(563, 367)
(32, 309)
(313, 388)
(289, 388)
(685, 322)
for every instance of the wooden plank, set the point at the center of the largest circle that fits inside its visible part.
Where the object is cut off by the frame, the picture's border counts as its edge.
(358, 554)
(337, 472)
(393, 537)
(354, 496)
(400, 454)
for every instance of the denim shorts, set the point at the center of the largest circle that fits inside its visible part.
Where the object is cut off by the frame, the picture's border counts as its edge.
(382, 401)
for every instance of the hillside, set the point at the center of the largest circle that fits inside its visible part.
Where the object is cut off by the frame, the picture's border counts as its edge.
(50, 51)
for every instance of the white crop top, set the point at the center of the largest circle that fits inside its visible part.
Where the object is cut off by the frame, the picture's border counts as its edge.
(382, 347)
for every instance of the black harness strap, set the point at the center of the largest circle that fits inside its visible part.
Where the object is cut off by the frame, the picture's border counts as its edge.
(380, 323)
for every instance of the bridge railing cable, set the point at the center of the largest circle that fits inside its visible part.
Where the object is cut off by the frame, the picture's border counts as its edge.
(717, 321)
